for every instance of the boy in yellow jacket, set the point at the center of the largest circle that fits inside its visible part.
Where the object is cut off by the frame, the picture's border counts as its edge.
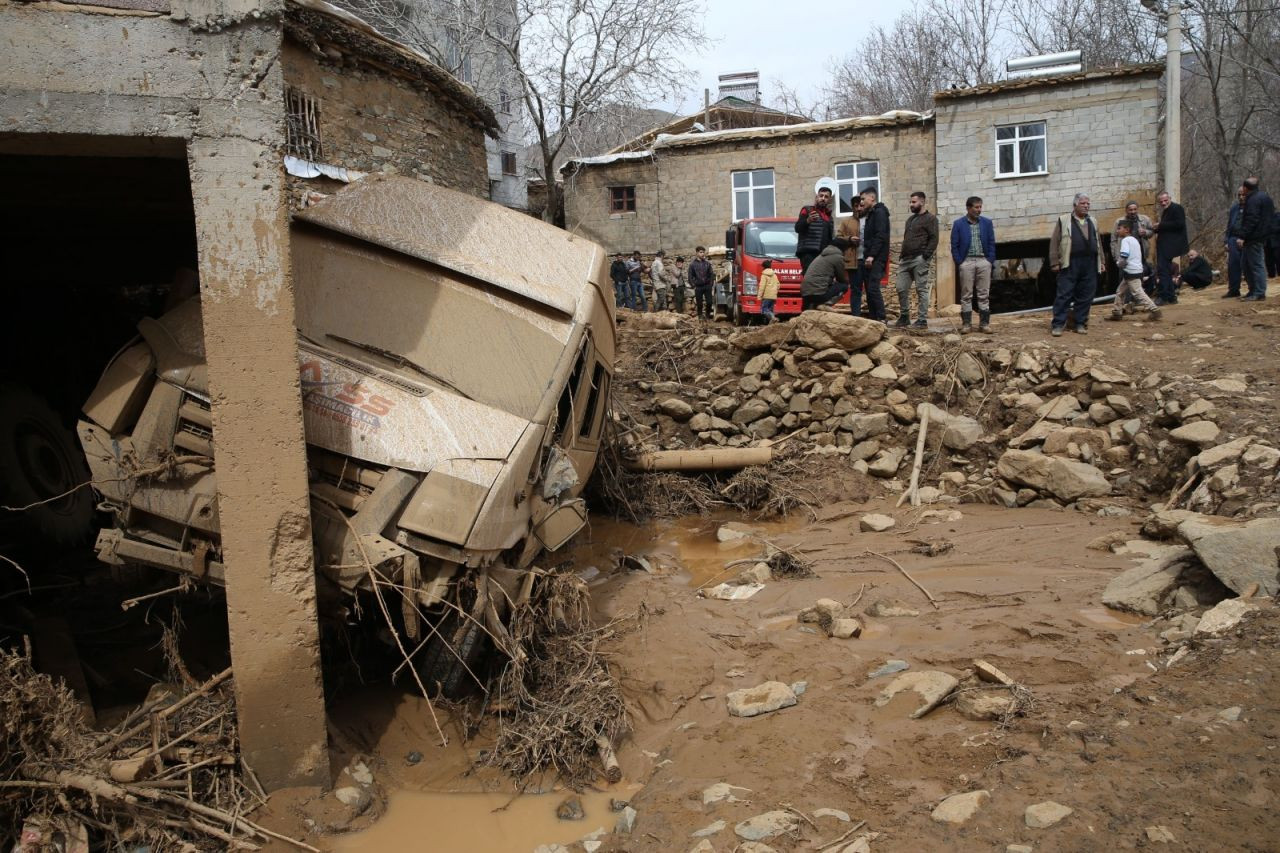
(768, 291)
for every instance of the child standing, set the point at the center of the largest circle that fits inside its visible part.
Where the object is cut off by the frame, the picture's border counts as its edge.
(1129, 259)
(768, 291)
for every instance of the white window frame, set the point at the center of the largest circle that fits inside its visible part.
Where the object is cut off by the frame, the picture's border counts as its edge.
(750, 189)
(856, 182)
(1017, 149)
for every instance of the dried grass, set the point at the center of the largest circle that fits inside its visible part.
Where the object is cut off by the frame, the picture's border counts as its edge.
(191, 790)
(556, 696)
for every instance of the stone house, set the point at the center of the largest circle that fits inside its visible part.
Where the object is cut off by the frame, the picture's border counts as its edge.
(1025, 146)
(146, 139)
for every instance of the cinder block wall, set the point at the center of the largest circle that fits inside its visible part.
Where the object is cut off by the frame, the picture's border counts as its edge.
(1103, 138)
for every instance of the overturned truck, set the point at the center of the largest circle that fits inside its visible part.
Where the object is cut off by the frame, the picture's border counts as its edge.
(455, 359)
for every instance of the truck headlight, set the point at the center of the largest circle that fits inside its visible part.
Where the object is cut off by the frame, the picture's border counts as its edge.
(750, 284)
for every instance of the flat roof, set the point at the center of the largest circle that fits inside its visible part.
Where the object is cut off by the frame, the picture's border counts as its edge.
(1146, 69)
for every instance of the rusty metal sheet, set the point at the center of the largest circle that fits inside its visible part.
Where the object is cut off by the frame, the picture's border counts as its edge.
(477, 238)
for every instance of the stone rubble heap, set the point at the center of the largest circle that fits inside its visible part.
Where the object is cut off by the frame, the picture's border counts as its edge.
(1015, 427)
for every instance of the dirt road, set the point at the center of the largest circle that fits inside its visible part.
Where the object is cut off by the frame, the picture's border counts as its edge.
(1144, 753)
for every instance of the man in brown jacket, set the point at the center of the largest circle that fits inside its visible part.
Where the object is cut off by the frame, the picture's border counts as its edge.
(848, 230)
(919, 242)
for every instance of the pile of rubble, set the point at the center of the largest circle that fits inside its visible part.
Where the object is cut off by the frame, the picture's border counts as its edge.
(1019, 427)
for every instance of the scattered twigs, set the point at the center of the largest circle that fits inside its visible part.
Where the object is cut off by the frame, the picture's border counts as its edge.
(906, 575)
(827, 845)
(164, 467)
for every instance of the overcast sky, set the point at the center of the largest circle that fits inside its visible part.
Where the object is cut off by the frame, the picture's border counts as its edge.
(785, 41)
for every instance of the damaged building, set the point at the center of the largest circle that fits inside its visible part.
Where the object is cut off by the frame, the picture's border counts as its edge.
(1026, 146)
(146, 143)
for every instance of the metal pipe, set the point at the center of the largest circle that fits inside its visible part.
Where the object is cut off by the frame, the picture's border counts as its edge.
(1110, 297)
(1066, 57)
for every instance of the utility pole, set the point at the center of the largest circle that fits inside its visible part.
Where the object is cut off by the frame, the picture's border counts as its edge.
(1173, 96)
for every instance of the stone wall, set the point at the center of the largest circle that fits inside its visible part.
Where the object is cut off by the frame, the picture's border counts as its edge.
(374, 121)
(1103, 138)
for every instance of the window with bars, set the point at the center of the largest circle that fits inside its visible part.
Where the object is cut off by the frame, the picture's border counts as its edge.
(302, 125)
(1022, 149)
(851, 180)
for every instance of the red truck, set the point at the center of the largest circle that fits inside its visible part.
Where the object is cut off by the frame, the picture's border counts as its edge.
(748, 244)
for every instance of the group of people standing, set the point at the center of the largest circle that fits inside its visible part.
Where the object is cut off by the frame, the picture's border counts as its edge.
(850, 254)
(670, 285)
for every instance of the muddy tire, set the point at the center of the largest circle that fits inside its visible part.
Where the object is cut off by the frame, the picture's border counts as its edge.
(458, 646)
(40, 459)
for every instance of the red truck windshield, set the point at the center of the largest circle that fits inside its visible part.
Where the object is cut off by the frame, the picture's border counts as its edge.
(770, 240)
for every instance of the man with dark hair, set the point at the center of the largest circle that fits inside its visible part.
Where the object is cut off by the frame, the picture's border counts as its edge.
(1075, 254)
(678, 285)
(1171, 244)
(703, 279)
(1234, 269)
(618, 274)
(635, 282)
(973, 248)
(659, 276)
(1141, 228)
(875, 255)
(814, 226)
(919, 242)
(1256, 215)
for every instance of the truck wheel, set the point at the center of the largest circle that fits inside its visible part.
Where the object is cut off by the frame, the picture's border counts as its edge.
(40, 460)
(446, 671)
(740, 317)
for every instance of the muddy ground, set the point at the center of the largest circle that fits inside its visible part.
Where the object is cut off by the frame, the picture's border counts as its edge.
(1143, 753)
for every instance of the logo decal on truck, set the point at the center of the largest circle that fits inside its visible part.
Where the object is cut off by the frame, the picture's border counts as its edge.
(348, 403)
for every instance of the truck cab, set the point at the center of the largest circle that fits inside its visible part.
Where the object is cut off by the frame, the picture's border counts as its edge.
(748, 244)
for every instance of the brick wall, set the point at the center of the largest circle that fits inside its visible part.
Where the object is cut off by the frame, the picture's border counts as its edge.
(1103, 139)
(586, 206)
(380, 122)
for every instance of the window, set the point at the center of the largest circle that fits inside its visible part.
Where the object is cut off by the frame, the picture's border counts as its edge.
(504, 102)
(622, 199)
(851, 180)
(599, 388)
(458, 61)
(1021, 150)
(752, 194)
(508, 163)
(302, 125)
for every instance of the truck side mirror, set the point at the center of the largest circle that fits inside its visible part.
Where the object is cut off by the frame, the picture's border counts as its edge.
(730, 238)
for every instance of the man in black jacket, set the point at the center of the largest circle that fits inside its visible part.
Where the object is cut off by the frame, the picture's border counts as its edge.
(919, 242)
(1256, 214)
(1171, 244)
(814, 227)
(703, 278)
(618, 273)
(875, 254)
(1198, 274)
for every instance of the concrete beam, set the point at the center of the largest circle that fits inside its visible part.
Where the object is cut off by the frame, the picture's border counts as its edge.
(260, 455)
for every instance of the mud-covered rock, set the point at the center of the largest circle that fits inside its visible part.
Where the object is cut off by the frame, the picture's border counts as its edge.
(1062, 478)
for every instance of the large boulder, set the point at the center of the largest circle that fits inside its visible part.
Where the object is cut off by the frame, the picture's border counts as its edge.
(1063, 478)
(824, 329)
(1238, 554)
(750, 411)
(1056, 442)
(768, 337)
(959, 432)
(1147, 587)
(866, 425)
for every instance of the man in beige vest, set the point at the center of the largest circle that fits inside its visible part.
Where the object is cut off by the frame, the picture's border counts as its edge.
(1075, 254)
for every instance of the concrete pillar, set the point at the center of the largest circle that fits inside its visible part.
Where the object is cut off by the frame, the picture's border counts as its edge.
(237, 184)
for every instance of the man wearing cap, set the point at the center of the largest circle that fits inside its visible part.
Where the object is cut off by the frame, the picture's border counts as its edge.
(814, 226)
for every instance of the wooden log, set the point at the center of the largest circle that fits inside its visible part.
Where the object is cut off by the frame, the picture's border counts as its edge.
(704, 459)
(612, 771)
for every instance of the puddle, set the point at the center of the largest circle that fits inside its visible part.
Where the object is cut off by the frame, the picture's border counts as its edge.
(494, 823)
(686, 546)
(1109, 618)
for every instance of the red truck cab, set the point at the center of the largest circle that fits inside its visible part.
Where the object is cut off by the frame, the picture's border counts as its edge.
(751, 242)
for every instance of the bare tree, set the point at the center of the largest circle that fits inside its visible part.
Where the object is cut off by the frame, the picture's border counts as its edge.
(1107, 32)
(571, 57)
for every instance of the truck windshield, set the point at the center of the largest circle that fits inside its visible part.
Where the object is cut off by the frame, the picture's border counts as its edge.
(770, 240)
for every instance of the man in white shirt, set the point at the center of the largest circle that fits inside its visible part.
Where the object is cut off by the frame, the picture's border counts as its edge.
(1129, 259)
